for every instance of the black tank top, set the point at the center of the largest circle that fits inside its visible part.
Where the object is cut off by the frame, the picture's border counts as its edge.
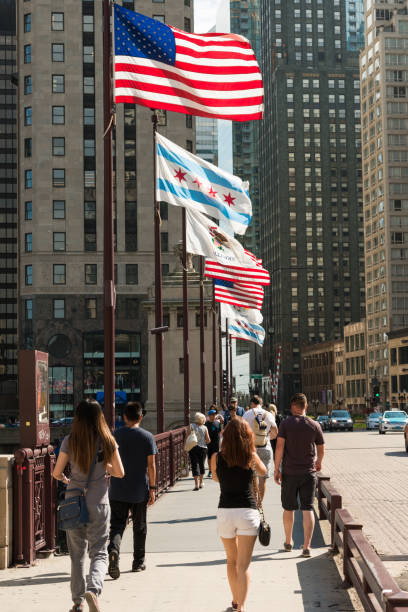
(236, 485)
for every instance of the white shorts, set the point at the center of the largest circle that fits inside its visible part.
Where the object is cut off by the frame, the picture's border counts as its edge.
(237, 521)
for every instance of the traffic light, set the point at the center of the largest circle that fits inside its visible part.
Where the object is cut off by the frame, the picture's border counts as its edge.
(376, 394)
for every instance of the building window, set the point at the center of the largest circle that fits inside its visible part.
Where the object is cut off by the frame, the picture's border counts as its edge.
(89, 147)
(132, 275)
(180, 317)
(58, 177)
(58, 146)
(164, 211)
(159, 18)
(89, 54)
(181, 365)
(28, 242)
(27, 84)
(90, 308)
(197, 318)
(90, 226)
(57, 52)
(28, 115)
(58, 209)
(89, 85)
(57, 21)
(58, 115)
(89, 116)
(28, 211)
(29, 309)
(27, 54)
(189, 121)
(164, 242)
(29, 275)
(59, 308)
(28, 147)
(28, 179)
(131, 226)
(189, 145)
(58, 83)
(90, 274)
(59, 241)
(88, 23)
(27, 22)
(165, 269)
(59, 274)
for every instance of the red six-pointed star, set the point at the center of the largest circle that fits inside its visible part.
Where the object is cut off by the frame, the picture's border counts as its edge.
(229, 200)
(212, 192)
(180, 175)
(198, 183)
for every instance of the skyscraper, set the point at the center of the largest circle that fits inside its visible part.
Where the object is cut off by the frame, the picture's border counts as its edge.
(310, 186)
(61, 199)
(8, 209)
(384, 105)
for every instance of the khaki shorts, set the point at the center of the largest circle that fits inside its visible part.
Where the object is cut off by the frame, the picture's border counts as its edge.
(265, 455)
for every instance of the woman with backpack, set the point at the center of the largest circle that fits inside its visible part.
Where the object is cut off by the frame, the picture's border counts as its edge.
(93, 455)
(238, 518)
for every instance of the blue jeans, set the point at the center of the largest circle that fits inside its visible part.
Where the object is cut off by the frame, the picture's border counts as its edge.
(91, 538)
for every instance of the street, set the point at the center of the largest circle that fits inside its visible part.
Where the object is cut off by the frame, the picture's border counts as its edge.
(370, 471)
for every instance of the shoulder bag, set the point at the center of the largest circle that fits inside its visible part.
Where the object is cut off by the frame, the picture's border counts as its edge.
(264, 532)
(191, 440)
(73, 512)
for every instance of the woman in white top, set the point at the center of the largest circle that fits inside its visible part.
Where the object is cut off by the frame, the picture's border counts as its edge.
(198, 453)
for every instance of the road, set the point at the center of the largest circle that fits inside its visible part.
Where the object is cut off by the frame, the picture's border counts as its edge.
(371, 473)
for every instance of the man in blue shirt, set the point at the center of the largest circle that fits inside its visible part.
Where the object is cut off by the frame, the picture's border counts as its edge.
(234, 410)
(135, 491)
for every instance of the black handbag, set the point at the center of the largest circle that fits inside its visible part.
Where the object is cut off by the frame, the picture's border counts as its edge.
(264, 531)
(73, 512)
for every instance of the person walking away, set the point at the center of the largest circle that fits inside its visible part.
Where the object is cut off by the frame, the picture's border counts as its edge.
(238, 518)
(299, 440)
(135, 491)
(214, 430)
(198, 453)
(263, 425)
(274, 412)
(89, 446)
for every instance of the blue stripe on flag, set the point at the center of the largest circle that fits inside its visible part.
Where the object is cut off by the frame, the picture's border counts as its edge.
(223, 283)
(191, 166)
(241, 330)
(201, 198)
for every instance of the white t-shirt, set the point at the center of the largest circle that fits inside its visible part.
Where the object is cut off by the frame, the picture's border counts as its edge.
(267, 417)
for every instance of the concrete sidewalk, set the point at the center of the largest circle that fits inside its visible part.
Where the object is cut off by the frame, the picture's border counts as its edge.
(186, 567)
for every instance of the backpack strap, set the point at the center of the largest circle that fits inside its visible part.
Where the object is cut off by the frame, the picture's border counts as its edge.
(91, 470)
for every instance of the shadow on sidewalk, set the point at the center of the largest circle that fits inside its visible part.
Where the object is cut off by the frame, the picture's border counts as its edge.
(194, 519)
(402, 453)
(36, 580)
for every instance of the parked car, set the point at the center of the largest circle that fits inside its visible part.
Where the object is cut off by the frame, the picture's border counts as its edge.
(373, 420)
(340, 419)
(323, 419)
(393, 420)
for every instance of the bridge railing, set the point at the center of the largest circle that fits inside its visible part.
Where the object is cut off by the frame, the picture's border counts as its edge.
(362, 567)
(35, 492)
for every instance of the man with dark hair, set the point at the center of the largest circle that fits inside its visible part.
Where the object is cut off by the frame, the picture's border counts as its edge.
(299, 440)
(233, 410)
(135, 491)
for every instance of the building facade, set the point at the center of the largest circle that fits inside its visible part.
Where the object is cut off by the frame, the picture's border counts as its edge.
(384, 106)
(61, 173)
(8, 211)
(311, 187)
(319, 376)
(355, 352)
(398, 369)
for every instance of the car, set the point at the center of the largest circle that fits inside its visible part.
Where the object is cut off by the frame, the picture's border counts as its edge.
(373, 420)
(323, 419)
(340, 419)
(406, 437)
(392, 420)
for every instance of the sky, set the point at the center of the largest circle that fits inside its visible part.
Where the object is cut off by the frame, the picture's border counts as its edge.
(205, 14)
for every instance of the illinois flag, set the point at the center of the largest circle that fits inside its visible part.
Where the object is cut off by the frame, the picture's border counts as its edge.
(243, 329)
(211, 75)
(183, 179)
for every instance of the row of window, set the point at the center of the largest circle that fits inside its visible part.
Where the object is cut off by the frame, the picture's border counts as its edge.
(58, 178)
(58, 115)
(58, 308)
(58, 147)
(90, 274)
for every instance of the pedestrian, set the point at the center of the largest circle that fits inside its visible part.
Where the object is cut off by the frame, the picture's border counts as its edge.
(199, 452)
(264, 427)
(299, 440)
(218, 415)
(274, 412)
(135, 491)
(233, 410)
(214, 430)
(238, 518)
(90, 449)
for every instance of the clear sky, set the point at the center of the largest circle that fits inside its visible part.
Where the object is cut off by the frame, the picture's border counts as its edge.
(204, 14)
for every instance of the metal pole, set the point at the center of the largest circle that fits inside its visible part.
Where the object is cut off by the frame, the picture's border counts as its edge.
(202, 339)
(158, 293)
(214, 349)
(108, 250)
(227, 363)
(185, 325)
(221, 372)
(231, 374)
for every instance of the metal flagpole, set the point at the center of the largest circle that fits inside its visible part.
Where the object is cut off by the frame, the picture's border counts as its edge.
(214, 349)
(231, 373)
(185, 324)
(227, 394)
(108, 249)
(221, 371)
(202, 340)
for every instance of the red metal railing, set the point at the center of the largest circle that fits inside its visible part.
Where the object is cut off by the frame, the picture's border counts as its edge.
(362, 567)
(171, 458)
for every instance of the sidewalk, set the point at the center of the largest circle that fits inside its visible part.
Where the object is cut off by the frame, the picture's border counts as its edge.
(186, 567)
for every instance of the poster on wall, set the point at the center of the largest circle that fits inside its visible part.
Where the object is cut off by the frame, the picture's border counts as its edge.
(42, 391)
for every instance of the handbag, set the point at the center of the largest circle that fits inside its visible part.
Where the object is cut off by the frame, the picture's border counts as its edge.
(73, 512)
(191, 440)
(264, 531)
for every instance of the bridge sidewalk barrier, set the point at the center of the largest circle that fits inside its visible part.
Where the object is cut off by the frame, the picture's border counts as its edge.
(6, 510)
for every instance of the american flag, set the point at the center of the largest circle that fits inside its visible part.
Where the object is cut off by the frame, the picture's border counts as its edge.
(239, 274)
(159, 66)
(245, 296)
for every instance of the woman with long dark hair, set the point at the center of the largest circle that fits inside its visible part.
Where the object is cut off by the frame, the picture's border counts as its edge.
(90, 446)
(238, 518)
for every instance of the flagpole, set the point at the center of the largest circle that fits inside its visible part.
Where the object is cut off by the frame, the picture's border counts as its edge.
(231, 374)
(185, 324)
(108, 242)
(227, 363)
(221, 371)
(202, 339)
(214, 348)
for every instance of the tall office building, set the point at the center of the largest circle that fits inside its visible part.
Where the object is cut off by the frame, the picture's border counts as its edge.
(61, 193)
(8, 209)
(245, 20)
(310, 186)
(207, 139)
(384, 105)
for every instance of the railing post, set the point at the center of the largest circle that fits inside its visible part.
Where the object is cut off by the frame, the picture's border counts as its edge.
(393, 603)
(172, 459)
(347, 527)
(320, 496)
(50, 493)
(335, 504)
